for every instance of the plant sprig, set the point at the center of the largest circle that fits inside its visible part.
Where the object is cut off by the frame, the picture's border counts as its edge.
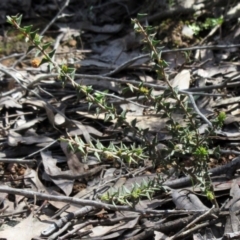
(185, 140)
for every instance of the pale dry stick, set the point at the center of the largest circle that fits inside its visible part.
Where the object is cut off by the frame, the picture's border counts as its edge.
(212, 32)
(131, 61)
(197, 110)
(17, 160)
(122, 99)
(10, 92)
(188, 232)
(17, 115)
(14, 213)
(41, 77)
(205, 224)
(126, 64)
(193, 91)
(213, 47)
(59, 212)
(97, 222)
(101, 186)
(57, 42)
(60, 231)
(230, 151)
(14, 55)
(96, 204)
(197, 227)
(71, 176)
(158, 87)
(193, 222)
(44, 30)
(44, 91)
(70, 233)
(38, 151)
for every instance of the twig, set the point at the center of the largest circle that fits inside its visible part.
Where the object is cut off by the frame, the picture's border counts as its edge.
(18, 160)
(14, 55)
(96, 222)
(131, 61)
(230, 151)
(193, 91)
(82, 202)
(71, 176)
(199, 226)
(34, 153)
(14, 213)
(126, 64)
(60, 211)
(146, 234)
(197, 110)
(193, 222)
(61, 230)
(122, 99)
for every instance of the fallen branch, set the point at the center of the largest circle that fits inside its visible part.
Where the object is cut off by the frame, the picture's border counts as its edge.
(96, 204)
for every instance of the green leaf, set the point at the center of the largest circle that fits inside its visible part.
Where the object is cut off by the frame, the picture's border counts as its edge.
(80, 149)
(9, 19)
(106, 117)
(34, 36)
(71, 147)
(148, 195)
(99, 145)
(126, 190)
(51, 67)
(46, 45)
(44, 60)
(89, 105)
(135, 26)
(129, 203)
(51, 54)
(18, 19)
(97, 156)
(30, 48)
(38, 52)
(27, 29)
(36, 39)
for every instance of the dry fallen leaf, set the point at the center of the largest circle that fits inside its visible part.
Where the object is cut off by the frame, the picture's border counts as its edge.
(51, 168)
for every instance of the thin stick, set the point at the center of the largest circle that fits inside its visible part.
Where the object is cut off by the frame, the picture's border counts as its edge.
(17, 160)
(83, 202)
(193, 222)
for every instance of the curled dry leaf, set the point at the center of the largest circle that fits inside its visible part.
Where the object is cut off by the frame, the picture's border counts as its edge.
(50, 168)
